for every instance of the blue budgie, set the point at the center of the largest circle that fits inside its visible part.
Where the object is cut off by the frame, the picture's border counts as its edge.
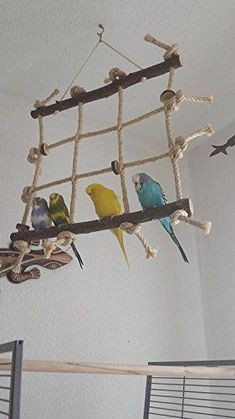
(150, 194)
(40, 217)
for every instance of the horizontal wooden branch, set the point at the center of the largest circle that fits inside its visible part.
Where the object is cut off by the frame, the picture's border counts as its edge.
(41, 366)
(107, 223)
(110, 89)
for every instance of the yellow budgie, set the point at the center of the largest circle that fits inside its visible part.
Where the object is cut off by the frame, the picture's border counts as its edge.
(107, 204)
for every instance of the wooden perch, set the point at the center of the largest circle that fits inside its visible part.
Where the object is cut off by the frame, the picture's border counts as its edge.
(222, 372)
(107, 223)
(111, 89)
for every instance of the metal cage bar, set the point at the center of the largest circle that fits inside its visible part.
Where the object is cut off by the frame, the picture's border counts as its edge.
(11, 387)
(190, 398)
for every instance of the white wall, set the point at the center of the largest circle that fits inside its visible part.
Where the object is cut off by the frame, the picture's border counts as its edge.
(105, 313)
(215, 197)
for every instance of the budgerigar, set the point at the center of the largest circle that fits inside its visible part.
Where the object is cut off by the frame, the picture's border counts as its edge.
(107, 204)
(150, 194)
(60, 215)
(40, 217)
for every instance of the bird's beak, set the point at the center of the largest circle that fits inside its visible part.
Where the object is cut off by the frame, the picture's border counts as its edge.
(88, 191)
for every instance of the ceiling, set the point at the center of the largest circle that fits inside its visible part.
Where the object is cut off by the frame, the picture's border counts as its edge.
(43, 43)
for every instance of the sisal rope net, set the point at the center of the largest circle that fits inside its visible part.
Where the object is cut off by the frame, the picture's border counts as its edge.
(176, 149)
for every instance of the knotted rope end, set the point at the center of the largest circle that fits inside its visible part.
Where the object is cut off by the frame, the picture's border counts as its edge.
(209, 130)
(27, 194)
(63, 239)
(130, 228)
(115, 74)
(76, 90)
(151, 253)
(175, 217)
(150, 38)
(206, 227)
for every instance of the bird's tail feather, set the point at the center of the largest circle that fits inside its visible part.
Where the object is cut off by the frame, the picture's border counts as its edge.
(176, 241)
(118, 233)
(76, 253)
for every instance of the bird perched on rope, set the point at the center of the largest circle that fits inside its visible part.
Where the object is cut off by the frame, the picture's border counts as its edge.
(60, 215)
(150, 194)
(107, 204)
(40, 217)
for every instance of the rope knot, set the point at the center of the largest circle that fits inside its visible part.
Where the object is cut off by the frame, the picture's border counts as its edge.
(42, 103)
(27, 194)
(73, 179)
(48, 247)
(76, 90)
(33, 155)
(136, 229)
(64, 239)
(130, 228)
(39, 104)
(115, 74)
(206, 226)
(180, 146)
(171, 50)
(44, 150)
(209, 130)
(179, 97)
(175, 217)
(24, 248)
(151, 252)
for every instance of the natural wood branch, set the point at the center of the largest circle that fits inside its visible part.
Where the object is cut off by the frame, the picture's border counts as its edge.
(110, 89)
(119, 369)
(107, 223)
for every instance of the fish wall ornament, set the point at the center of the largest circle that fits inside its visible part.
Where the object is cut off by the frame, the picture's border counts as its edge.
(223, 148)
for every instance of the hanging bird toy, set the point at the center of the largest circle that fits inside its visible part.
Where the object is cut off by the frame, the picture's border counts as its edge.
(15, 262)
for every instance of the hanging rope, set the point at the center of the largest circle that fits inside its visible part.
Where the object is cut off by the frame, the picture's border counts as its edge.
(36, 174)
(128, 227)
(136, 229)
(120, 53)
(29, 193)
(171, 102)
(80, 69)
(100, 35)
(24, 249)
(30, 190)
(74, 177)
(174, 161)
(121, 150)
(66, 237)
